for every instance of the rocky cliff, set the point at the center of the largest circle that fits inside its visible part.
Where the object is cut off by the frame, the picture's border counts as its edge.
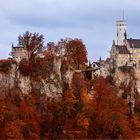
(51, 85)
(127, 81)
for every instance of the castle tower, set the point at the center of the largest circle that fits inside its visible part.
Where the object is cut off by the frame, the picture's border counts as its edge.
(121, 32)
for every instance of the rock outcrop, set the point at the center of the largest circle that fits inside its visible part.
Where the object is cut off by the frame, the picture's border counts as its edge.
(51, 85)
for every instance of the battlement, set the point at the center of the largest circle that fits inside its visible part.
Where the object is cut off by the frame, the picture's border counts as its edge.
(19, 52)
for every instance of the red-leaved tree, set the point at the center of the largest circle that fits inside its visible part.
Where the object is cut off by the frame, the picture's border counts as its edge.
(76, 52)
(34, 43)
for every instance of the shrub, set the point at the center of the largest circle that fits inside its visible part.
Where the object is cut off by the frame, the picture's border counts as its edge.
(5, 65)
(25, 68)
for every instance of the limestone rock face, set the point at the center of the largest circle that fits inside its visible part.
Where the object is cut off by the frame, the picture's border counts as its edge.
(8, 80)
(51, 86)
(120, 77)
(127, 85)
(57, 66)
(23, 83)
(137, 73)
(15, 79)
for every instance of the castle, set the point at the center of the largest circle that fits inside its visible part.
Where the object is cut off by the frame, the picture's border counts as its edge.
(124, 52)
(19, 52)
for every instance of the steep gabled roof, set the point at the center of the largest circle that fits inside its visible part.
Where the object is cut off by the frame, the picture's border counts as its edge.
(134, 43)
(97, 63)
(122, 49)
(18, 46)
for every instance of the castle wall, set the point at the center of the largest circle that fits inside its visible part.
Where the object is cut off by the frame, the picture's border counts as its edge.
(18, 53)
(122, 60)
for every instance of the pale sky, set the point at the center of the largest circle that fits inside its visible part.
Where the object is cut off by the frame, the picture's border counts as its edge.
(93, 21)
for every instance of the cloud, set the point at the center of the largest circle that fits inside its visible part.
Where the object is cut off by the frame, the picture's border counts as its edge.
(91, 20)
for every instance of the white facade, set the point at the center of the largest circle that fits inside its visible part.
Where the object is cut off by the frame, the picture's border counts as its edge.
(121, 32)
(122, 60)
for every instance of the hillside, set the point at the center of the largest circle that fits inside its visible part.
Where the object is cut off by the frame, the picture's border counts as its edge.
(50, 97)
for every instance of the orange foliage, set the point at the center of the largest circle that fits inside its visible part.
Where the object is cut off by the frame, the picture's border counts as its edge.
(70, 101)
(77, 114)
(54, 121)
(135, 124)
(14, 131)
(39, 68)
(5, 65)
(25, 67)
(109, 113)
(83, 123)
(28, 114)
(77, 54)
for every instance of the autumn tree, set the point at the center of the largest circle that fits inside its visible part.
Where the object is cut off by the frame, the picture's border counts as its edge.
(76, 102)
(109, 118)
(83, 116)
(3, 109)
(14, 130)
(29, 114)
(76, 52)
(135, 125)
(10, 125)
(73, 49)
(70, 102)
(55, 119)
(51, 49)
(78, 83)
(25, 67)
(33, 42)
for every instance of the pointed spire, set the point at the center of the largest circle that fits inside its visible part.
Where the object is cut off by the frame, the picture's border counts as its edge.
(100, 59)
(89, 63)
(113, 44)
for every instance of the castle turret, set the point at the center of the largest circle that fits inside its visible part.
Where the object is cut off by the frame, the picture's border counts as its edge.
(121, 32)
(19, 52)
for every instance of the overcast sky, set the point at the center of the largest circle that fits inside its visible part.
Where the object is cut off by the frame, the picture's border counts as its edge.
(94, 21)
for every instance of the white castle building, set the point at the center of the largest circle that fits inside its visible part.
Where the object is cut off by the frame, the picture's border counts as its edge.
(125, 51)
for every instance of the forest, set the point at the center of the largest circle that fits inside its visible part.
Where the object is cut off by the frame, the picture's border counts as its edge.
(85, 109)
